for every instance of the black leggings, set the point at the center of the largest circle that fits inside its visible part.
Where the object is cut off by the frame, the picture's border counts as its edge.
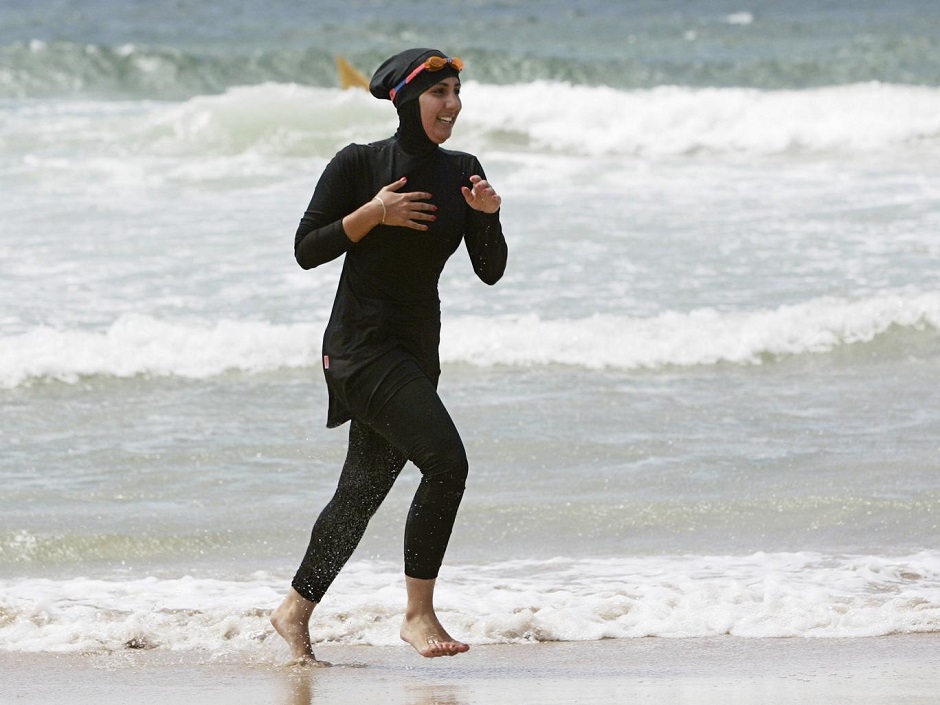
(413, 425)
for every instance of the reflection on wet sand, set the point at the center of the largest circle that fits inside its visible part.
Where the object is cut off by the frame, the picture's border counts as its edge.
(301, 688)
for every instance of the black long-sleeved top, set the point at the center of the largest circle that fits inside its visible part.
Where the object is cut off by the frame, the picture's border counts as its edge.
(387, 308)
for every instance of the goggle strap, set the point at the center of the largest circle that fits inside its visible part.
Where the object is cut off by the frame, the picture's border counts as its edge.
(418, 69)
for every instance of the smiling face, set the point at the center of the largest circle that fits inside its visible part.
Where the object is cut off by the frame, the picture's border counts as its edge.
(440, 104)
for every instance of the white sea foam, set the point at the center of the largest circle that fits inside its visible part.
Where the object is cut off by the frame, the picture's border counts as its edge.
(137, 344)
(740, 18)
(291, 121)
(142, 345)
(761, 595)
(701, 337)
(672, 120)
(578, 119)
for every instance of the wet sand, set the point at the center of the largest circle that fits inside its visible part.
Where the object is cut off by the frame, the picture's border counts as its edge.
(900, 670)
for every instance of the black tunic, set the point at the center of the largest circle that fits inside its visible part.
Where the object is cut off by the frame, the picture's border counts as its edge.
(385, 325)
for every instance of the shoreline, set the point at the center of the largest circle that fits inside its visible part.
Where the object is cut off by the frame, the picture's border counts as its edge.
(890, 669)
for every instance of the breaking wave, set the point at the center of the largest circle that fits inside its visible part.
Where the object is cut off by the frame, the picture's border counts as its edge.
(142, 345)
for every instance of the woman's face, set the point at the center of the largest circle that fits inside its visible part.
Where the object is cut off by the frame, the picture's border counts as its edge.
(440, 105)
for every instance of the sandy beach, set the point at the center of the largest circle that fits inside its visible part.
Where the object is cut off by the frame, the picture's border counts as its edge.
(896, 670)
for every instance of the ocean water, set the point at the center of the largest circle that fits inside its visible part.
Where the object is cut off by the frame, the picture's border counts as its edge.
(702, 401)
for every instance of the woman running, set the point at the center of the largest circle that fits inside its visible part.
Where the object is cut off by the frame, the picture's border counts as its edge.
(397, 209)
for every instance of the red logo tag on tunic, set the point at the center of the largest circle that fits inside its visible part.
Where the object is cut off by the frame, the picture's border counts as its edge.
(326, 362)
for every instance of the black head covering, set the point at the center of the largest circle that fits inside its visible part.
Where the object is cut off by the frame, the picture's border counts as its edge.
(394, 70)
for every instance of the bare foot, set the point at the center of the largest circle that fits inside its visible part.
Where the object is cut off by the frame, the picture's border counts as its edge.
(421, 627)
(291, 620)
(429, 639)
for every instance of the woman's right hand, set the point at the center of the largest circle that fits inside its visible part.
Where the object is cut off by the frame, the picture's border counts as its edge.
(407, 210)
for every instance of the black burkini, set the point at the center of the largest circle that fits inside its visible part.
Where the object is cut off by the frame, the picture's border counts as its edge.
(380, 349)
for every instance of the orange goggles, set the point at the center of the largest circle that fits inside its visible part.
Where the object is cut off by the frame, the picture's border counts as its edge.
(435, 63)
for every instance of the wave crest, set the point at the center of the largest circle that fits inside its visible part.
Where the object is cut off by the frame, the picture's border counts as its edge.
(39, 68)
(672, 120)
(701, 337)
(288, 120)
(141, 345)
(572, 119)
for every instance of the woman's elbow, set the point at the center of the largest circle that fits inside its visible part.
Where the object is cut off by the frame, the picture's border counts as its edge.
(305, 252)
(491, 274)
(304, 262)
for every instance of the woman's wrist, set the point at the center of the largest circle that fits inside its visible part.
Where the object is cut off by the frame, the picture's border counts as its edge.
(384, 212)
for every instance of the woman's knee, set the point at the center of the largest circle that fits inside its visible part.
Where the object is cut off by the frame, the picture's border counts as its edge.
(444, 460)
(439, 453)
(416, 422)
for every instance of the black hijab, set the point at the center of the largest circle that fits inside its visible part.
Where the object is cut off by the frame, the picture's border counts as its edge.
(411, 135)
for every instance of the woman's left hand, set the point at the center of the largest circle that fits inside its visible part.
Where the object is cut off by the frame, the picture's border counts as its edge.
(482, 197)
